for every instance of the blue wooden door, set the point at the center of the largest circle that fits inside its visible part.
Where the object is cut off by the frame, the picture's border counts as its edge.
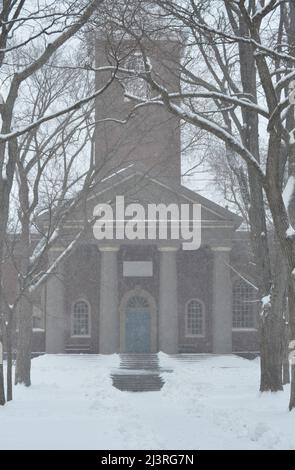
(137, 329)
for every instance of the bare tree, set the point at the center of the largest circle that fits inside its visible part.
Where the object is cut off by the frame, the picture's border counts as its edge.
(49, 175)
(55, 173)
(53, 25)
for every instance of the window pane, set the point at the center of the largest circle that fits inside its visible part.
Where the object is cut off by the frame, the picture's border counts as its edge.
(194, 318)
(81, 319)
(243, 305)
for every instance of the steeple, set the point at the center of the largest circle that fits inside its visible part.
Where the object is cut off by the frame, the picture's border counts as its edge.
(151, 136)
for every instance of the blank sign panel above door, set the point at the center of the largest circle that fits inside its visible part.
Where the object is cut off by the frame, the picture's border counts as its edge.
(137, 268)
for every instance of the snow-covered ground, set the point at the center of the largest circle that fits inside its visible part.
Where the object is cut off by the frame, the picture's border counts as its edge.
(212, 404)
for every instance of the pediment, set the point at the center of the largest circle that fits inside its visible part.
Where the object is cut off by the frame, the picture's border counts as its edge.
(217, 223)
(140, 188)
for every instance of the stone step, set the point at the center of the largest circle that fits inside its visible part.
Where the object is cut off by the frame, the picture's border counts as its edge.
(136, 361)
(138, 382)
(191, 358)
(138, 373)
(77, 349)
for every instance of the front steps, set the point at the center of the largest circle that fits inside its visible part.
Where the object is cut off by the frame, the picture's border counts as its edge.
(77, 349)
(189, 358)
(138, 373)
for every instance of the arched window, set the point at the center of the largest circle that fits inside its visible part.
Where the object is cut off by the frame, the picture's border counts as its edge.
(243, 305)
(137, 302)
(81, 319)
(194, 318)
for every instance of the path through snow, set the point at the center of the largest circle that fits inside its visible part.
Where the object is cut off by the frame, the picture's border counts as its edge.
(211, 404)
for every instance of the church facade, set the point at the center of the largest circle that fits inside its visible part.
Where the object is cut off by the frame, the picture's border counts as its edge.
(148, 295)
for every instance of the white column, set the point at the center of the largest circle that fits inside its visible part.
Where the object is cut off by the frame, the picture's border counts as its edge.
(108, 315)
(222, 302)
(55, 308)
(168, 306)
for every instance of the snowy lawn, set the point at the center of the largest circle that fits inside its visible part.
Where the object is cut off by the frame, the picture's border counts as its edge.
(212, 404)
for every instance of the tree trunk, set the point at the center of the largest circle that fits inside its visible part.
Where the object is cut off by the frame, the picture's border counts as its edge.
(2, 391)
(271, 354)
(5, 188)
(2, 323)
(9, 332)
(24, 337)
(24, 342)
(2, 329)
(291, 302)
(286, 340)
(272, 328)
(292, 396)
(286, 372)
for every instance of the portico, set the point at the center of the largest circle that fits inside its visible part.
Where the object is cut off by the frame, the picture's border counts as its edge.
(161, 320)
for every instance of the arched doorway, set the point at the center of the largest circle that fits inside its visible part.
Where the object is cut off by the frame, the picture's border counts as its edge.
(138, 323)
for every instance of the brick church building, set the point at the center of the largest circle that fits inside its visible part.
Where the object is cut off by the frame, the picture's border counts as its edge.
(141, 296)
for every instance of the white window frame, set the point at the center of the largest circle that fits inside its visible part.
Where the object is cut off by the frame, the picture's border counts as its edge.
(187, 333)
(89, 319)
(241, 329)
